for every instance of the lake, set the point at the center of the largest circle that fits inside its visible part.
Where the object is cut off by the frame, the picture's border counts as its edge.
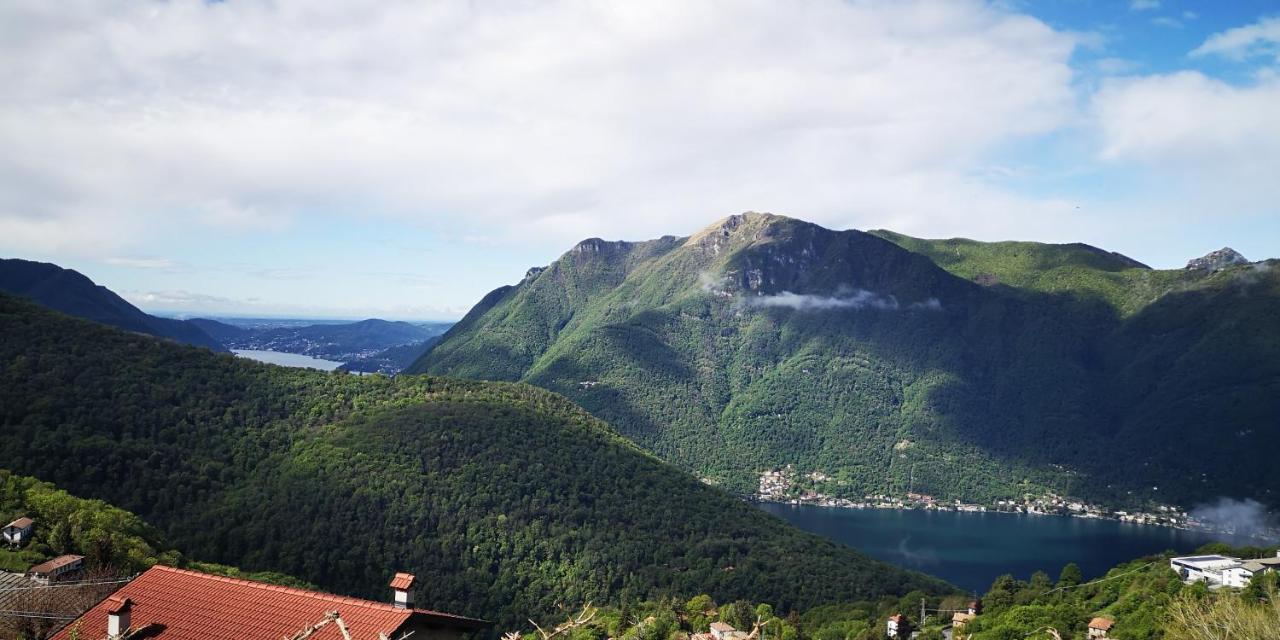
(971, 549)
(287, 359)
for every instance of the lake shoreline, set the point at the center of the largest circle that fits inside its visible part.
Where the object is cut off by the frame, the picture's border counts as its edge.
(286, 359)
(1192, 526)
(971, 549)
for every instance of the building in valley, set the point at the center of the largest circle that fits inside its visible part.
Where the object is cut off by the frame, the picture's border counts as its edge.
(898, 626)
(725, 631)
(59, 568)
(19, 531)
(164, 603)
(1100, 627)
(1222, 571)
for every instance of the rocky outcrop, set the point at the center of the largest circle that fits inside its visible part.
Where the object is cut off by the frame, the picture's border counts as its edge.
(1217, 260)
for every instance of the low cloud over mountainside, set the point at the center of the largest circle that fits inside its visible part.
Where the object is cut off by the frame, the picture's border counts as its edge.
(957, 368)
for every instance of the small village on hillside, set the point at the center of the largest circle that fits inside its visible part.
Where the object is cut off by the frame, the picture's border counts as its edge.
(788, 486)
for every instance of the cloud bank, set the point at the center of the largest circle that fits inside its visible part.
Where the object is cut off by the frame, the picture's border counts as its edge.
(560, 119)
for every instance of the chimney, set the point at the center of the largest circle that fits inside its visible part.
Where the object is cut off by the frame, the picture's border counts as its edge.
(402, 587)
(118, 616)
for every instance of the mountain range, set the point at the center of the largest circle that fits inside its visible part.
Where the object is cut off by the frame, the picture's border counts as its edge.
(371, 345)
(889, 364)
(366, 345)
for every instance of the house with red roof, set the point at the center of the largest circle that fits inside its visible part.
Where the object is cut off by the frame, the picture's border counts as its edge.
(164, 603)
(59, 568)
(1100, 627)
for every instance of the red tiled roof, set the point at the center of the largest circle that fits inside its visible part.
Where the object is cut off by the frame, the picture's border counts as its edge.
(187, 605)
(402, 581)
(117, 604)
(1101, 623)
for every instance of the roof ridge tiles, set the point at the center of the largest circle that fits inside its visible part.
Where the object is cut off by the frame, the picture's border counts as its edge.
(331, 597)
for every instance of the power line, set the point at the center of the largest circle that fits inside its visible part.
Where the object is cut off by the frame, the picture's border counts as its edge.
(1100, 580)
(68, 584)
(35, 614)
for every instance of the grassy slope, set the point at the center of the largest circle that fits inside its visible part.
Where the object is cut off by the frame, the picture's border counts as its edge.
(1004, 389)
(504, 498)
(1121, 282)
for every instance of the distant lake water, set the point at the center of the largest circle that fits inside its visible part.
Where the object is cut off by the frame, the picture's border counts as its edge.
(971, 549)
(288, 359)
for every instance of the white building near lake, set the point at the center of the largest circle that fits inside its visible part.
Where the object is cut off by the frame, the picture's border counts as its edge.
(1222, 571)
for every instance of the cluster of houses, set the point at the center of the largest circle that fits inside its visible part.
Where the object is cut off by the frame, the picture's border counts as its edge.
(1218, 571)
(19, 532)
(899, 627)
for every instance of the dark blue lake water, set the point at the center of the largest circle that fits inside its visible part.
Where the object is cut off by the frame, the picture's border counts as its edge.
(972, 549)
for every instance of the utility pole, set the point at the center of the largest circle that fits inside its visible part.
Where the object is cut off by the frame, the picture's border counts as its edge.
(922, 613)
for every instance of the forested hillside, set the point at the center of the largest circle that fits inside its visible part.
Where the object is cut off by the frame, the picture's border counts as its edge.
(503, 498)
(763, 341)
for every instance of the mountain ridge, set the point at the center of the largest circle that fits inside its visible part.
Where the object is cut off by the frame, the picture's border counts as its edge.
(74, 293)
(871, 359)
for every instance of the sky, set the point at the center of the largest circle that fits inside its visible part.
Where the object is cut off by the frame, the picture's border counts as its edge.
(399, 159)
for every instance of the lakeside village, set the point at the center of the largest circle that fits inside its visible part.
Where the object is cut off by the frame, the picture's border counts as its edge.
(788, 486)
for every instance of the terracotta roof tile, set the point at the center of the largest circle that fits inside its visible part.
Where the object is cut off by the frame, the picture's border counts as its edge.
(402, 581)
(187, 605)
(1101, 623)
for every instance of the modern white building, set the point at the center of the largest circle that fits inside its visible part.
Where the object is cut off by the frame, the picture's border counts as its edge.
(1221, 571)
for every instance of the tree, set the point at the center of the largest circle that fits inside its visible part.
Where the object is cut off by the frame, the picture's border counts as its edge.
(699, 604)
(1070, 576)
(1001, 595)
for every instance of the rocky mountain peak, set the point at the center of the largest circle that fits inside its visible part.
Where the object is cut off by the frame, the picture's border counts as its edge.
(1216, 260)
(728, 231)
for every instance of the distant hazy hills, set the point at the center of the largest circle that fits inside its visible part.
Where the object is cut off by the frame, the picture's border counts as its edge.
(952, 367)
(504, 499)
(367, 345)
(72, 293)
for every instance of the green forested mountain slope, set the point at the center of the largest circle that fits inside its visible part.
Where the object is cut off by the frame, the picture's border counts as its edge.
(764, 341)
(503, 498)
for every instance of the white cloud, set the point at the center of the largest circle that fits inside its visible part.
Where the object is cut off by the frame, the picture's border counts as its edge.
(123, 122)
(190, 304)
(1144, 5)
(141, 263)
(1212, 142)
(1261, 38)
